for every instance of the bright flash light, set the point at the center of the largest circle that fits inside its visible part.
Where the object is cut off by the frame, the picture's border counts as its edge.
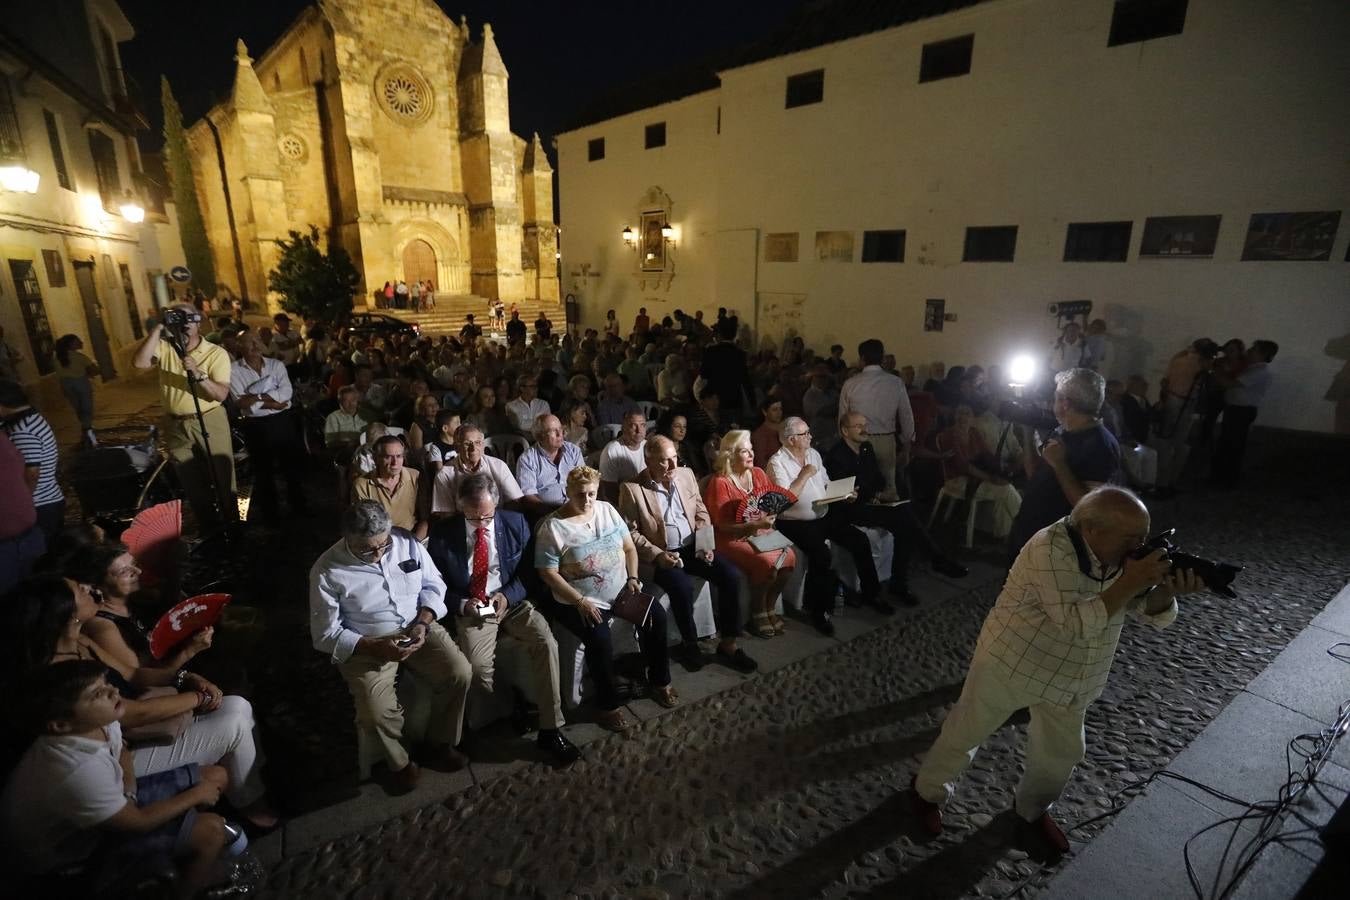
(1022, 369)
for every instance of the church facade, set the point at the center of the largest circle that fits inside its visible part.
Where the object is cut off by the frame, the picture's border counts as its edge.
(383, 123)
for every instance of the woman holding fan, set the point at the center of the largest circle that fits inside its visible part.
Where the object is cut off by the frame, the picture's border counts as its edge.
(743, 503)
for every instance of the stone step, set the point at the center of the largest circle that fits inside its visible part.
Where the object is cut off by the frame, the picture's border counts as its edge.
(449, 315)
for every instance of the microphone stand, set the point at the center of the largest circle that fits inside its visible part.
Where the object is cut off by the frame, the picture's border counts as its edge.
(175, 338)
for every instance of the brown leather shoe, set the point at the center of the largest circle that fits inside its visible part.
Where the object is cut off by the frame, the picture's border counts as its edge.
(446, 759)
(406, 778)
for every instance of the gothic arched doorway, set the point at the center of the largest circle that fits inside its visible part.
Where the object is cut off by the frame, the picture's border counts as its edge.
(419, 262)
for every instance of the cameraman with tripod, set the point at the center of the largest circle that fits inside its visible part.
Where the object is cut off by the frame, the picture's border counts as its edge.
(194, 381)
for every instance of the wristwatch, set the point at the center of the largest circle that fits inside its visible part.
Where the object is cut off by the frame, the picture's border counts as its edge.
(179, 679)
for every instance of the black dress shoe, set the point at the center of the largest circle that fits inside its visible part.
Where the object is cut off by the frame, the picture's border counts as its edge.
(738, 660)
(690, 656)
(852, 597)
(945, 565)
(880, 604)
(900, 594)
(563, 751)
(823, 624)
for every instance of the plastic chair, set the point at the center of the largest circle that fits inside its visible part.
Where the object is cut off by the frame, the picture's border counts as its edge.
(603, 434)
(954, 491)
(652, 410)
(506, 447)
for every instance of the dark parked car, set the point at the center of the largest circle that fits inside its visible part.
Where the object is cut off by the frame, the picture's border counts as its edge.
(380, 325)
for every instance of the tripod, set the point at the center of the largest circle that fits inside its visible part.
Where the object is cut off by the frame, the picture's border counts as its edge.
(174, 336)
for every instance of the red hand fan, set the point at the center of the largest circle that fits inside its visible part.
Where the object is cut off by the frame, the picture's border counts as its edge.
(152, 537)
(185, 620)
(769, 503)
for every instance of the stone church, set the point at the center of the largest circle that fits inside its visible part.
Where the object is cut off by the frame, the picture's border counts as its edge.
(385, 124)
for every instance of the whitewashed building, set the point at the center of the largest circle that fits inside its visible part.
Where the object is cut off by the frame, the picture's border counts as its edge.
(82, 234)
(1183, 165)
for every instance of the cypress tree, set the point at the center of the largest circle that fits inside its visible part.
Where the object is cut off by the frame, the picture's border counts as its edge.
(178, 165)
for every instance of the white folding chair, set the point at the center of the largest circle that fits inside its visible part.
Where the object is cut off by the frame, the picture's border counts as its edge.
(652, 410)
(506, 447)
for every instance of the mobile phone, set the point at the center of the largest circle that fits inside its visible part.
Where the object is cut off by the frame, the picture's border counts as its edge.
(405, 641)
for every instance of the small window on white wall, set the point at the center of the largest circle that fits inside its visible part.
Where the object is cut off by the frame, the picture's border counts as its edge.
(1133, 21)
(946, 59)
(655, 135)
(805, 88)
(595, 149)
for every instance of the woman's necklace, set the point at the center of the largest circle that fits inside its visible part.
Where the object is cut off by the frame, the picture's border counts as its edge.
(745, 478)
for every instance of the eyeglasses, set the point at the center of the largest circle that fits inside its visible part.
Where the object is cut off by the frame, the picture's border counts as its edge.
(481, 521)
(470, 444)
(124, 571)
(373, 553)
(802, 433)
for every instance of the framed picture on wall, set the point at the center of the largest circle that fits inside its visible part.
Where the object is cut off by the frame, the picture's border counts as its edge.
(651, 244)
(834, 246)
(1296, 236)
(781, 247)
(1179, 237)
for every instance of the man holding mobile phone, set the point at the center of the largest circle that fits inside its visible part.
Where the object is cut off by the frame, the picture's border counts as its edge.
(479, 552)
(374, 600)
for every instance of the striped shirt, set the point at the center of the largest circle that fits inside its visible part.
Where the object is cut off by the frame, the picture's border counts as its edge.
(36, 443)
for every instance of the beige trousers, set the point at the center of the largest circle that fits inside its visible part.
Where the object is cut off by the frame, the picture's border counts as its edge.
(183, 439)
(478, 640)
(1055, 742)
(440, 667)
(883, 445)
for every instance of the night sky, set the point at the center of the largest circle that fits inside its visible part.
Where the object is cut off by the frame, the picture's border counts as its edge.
(561, 56)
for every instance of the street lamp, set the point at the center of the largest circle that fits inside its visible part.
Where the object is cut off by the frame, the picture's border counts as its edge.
(19, 178)
(132, 211)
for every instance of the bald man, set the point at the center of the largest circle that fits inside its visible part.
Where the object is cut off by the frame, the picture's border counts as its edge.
(1048, 645)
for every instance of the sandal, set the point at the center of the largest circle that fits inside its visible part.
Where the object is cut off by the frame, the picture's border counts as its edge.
(779, 626)
(666, 696)
(761, 626)
(612, 720)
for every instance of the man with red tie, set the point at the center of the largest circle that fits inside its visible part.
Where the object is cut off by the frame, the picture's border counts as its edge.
(480, 552)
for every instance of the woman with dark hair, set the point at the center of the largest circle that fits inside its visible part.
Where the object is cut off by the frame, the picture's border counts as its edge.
(484, 413)
(76, 372)
(113, 576)
(675, 425)
(42, 617)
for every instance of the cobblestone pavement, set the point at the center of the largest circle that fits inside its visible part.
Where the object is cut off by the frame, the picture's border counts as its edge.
(788, 784)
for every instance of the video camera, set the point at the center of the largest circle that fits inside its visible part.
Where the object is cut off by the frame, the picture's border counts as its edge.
(1021, 412)
(177, 318)
(1217, 576)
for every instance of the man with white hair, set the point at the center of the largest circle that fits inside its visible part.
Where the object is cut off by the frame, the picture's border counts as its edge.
(1048, 645)
(798, 467)
(1080, 455)
(542, 470)
(374, 600)
(470, 460)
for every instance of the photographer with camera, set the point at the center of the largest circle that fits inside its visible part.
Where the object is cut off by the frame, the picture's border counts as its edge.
(194, 381)
(1080, 455)
(1048, 646)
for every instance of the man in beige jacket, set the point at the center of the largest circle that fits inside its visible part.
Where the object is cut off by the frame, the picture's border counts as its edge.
(665, 513)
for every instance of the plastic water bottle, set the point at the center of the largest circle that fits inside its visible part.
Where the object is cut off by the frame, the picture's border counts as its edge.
(236, 841)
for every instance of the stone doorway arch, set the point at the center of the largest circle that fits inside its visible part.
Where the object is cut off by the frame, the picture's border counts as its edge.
(419, 262)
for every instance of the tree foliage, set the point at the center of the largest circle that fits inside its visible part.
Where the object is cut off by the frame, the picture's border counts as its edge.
(312, 283)
(178, 165)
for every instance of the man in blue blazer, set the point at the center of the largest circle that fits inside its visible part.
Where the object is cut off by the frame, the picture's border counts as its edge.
(479, 552)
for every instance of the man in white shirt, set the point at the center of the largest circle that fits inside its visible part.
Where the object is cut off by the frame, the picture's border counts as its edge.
(798, 467)
(343, 427)
(480, 552)
(471, 460)
(374, 600)
(262, 392)
(285, 342)
(623, 458)
(1048, 644)
(881, 397)
(1243, 394)
(542, 469)
(527, 406)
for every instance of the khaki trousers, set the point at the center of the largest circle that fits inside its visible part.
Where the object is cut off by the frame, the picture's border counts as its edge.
(1055, 742)
(478, 640)
(441, 669)
(183, 439)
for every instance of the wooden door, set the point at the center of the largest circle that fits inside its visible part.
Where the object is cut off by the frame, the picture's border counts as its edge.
(419, 262)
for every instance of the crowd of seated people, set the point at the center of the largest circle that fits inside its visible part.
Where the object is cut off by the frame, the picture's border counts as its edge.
(516, 489)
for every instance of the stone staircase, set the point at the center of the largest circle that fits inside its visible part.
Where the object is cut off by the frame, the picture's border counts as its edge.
(449, 315)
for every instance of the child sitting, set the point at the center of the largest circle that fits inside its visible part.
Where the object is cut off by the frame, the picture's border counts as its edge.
(441, 451)
(73, 810)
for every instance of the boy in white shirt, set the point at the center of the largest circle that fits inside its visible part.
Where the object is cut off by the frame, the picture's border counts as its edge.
(72, 807)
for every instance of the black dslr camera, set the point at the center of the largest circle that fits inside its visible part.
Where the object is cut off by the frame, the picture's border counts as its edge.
(176, 318)
(1217, 576)
(1021, 412)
